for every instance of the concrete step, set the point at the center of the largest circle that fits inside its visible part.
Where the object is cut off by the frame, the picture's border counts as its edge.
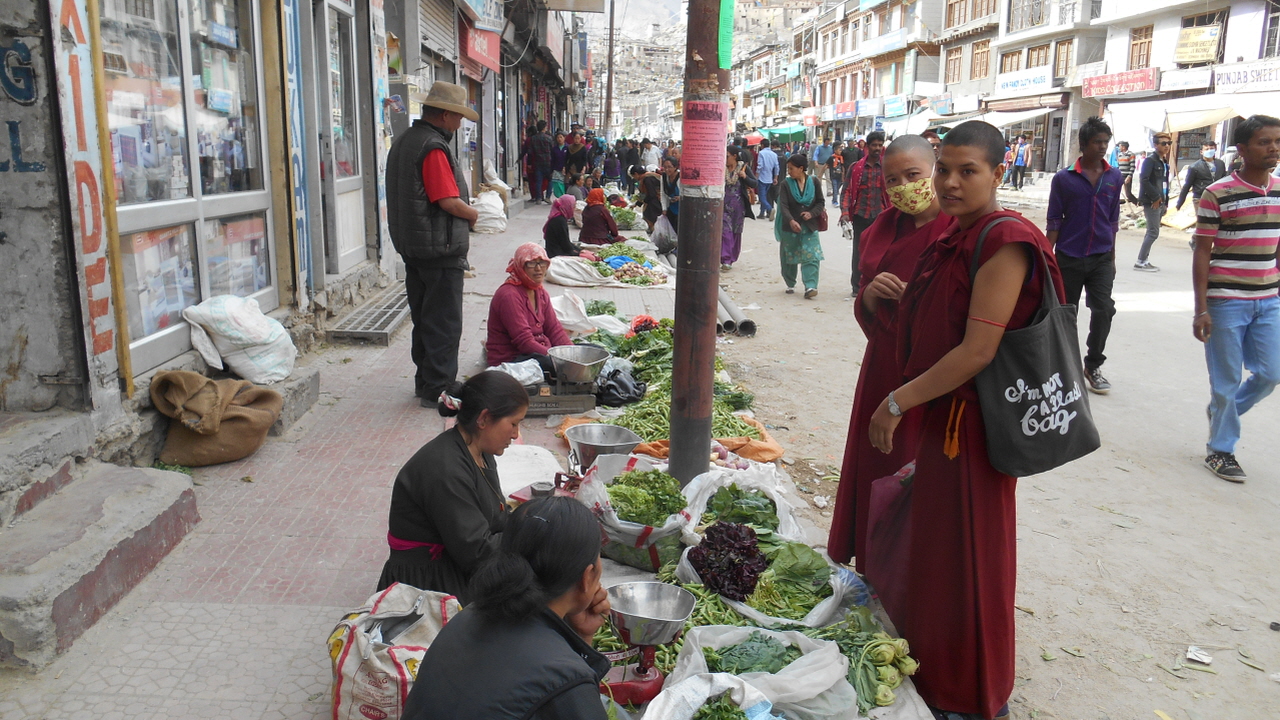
(74, 556)
(38, 452)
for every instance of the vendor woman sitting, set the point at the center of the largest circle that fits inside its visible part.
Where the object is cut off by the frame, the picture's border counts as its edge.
(522, 647)
(598, 225)
(447, 507)
(522, 323)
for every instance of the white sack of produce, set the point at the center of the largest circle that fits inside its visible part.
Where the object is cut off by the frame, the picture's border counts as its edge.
(493, 217)
(681, 701)
(527, 373)
(610, 324)
(571, 311)
(759, 476)
(233, 329)
(814, 687)
(830, 610)
(578, 207)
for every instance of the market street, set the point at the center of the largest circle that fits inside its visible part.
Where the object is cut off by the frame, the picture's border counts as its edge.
(1126, 557)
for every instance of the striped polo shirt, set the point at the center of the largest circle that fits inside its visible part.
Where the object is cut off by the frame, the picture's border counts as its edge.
(1243, 221)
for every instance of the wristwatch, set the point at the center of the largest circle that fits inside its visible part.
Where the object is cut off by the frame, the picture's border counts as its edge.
(894, 410)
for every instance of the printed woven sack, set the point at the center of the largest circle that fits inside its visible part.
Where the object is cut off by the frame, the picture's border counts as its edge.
(377, 649)
(1032, 394)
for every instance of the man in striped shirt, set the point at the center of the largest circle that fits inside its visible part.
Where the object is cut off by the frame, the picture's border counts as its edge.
(1236, 279)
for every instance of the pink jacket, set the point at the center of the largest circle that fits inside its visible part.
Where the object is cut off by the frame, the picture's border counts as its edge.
(516, 329)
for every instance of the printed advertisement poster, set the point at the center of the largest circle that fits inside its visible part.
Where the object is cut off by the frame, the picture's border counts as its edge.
(702, 155)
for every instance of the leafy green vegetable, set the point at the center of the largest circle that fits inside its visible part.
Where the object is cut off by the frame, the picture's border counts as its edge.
(602, 268)
(870, 652)
(732, 396)
(798, 563)
(602, 307)
(720, 709)
(758, 653)
(625, 217)
(785, 599)
(604, 339)
(605, 252)
(646, 497)
(752, 507)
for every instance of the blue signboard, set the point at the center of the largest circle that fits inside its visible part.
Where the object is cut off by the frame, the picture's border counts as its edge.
(222, 34)
(895, 105)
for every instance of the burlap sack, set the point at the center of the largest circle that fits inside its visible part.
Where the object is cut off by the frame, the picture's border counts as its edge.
(215, 421)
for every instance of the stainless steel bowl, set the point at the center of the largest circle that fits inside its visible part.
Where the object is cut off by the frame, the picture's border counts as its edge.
(590, 440)
(576, 364)
(649, 613)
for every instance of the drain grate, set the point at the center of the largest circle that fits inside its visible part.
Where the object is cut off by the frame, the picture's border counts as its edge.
(375, 320)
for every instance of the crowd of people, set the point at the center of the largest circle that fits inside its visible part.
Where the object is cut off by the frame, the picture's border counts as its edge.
(941, 274)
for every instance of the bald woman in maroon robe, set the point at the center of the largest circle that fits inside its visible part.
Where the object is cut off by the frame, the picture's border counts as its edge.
(958, 608)
(890, 248)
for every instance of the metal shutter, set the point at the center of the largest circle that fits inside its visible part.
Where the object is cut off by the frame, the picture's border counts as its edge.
(439, 27)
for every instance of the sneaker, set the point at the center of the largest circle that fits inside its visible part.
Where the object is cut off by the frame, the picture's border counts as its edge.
(1224, 465)
(791, 291)
(811, 293)
(1145, 266)
(1097, 383)
(725, 267)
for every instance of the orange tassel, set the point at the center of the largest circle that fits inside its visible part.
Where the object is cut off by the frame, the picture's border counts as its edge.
(951, 444)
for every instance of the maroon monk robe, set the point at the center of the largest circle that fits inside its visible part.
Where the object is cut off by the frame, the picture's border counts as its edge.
(891, 244)
(958, 614)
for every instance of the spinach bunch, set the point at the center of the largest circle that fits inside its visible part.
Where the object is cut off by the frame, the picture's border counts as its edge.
(758, 653)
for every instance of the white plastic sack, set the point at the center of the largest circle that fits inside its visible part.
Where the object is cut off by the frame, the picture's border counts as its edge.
(680, 701)
(233, 329)
(663, 236)
(493, 218)
(376, 650)
(759, 476)
(491, 176)
(578, 207)
(571, 311)
(609, 323)
(527, 373)
(813, 687)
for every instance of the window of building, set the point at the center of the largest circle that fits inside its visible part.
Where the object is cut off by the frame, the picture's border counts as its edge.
(884, 20)
(983, 8)
(1011, 61)
(1065, 55)
(1025, 14)
(981, 60)
(866, 28)
(957, 12)
(1140, 47)
(1218, 18)
(955, 56)
(853, 37)
(1038, 56)
(1271, 43)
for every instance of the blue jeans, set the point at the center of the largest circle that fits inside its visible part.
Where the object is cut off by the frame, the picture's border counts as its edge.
(836, 181)
(540, 175)
(763, 192)
(1246, 333)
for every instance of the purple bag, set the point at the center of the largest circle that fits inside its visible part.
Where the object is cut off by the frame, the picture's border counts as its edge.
(888, 533)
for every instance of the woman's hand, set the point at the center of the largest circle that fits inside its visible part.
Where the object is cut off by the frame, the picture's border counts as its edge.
(886, 286)
(883, 423)
(795, 226)
(588, 621)
(806, 215)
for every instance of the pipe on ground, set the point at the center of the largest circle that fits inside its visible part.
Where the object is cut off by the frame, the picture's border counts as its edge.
(743, 326)
(724, 323)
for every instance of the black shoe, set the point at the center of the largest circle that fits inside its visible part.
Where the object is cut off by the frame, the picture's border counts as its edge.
(1097, 383)
(1224, 465)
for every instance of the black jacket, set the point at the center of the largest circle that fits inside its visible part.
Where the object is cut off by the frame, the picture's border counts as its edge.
(482, 668)
(1153, 181)
(420, 229)
(1200, 175)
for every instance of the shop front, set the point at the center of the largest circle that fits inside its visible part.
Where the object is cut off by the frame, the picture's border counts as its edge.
(1029, 103)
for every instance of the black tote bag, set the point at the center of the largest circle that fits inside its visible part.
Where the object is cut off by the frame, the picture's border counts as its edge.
(1032, 395)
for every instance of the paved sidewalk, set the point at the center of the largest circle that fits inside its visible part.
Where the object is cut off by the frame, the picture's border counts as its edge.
(233, 623)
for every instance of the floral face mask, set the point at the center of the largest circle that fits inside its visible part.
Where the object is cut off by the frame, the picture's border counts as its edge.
(913, 198)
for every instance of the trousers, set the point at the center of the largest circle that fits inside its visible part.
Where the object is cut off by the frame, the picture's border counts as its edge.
(1246, 334)
(1153, 216)
(763, 192)
(858, 223)
(435, 307)
(1095, 275)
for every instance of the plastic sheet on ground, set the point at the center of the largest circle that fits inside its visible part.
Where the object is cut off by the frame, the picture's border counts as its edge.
(572, 271)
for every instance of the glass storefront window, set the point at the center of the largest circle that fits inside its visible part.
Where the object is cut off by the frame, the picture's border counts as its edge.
(236, 248)
(160, 278)
(342, 97)
(226, 94)
(144, 100)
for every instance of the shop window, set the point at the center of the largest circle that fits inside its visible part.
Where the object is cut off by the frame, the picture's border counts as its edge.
(1218, 18)
(957, 12)
(981, 60)
(1038, 56)
(341, 59)
(1064, 56)
(1011, 61)
(160, 278)
(1271, 46)
(955, 56)
(1140, 47)
(983, 8)
(226, 110)
(237, 250)
(1025, 14)
(143, 82)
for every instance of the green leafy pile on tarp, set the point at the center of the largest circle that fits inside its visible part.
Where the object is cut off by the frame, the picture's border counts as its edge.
(758, 653)
(752, 507)
(646, 497)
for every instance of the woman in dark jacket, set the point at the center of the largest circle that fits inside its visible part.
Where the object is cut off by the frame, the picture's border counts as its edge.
(522, 648)
(598, 225)
(447, 506)
(555, 231)
(650, 188)
(800, 206)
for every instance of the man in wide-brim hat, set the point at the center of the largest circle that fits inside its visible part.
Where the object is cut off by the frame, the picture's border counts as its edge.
(430, 218)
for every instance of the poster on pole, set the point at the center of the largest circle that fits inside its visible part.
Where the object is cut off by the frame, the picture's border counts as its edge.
(702, 155)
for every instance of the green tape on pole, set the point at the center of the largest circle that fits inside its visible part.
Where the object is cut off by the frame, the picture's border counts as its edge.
(726, 33)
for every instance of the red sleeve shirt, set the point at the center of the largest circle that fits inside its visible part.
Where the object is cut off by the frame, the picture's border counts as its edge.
(437, 177)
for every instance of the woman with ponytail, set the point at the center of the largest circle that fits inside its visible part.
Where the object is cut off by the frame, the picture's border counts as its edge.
(522, 647)
(447, 506)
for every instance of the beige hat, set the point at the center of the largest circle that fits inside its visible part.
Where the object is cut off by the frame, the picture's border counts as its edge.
(447, 96)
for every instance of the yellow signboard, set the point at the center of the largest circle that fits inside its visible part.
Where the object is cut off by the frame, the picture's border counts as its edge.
(1198, 44)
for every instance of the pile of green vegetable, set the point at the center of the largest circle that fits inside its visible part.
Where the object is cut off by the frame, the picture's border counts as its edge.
(604, 252)
(796, 581)
(722, 708)
(602, 307)
(646, 497)
(625, 217)
(877, 662)
(758, 653)
(751, 507)
(651, 417)
(602, 268)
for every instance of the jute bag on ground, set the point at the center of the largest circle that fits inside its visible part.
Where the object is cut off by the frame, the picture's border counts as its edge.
(377, 649)
(214, 421)
(1032, 394)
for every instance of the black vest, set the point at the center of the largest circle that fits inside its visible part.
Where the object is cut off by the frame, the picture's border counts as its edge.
(421, 229)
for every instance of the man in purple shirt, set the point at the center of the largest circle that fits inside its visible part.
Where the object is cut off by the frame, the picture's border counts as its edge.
(1083, 219)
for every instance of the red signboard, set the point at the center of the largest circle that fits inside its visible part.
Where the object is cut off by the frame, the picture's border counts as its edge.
(1146, 79)
(481, 46)
(844, 107)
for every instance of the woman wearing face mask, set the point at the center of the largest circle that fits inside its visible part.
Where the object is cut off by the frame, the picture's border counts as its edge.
(890, 248)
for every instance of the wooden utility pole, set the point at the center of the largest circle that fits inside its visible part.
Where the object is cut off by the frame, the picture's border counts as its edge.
(608, 92)
(702, 187)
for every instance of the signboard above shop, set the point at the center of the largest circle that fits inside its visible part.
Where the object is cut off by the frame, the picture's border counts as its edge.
(895, 105)
(1260, 76)
(591, 6)
(1197, 78)
(867, 108)
(1198, 44)
(1146, 80)
(1032, 81)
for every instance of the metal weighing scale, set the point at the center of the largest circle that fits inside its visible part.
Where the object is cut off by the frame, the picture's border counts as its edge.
(644, 615)
(574, 391)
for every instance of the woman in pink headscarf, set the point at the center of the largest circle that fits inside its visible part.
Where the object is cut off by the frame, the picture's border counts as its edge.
(555, 231)
(522, 323)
